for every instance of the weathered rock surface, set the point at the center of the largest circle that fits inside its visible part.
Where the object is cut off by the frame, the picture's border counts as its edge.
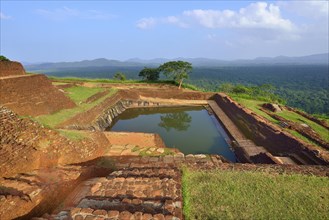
(272, 107)
(11, 68)
(32, 95)
(26, 146)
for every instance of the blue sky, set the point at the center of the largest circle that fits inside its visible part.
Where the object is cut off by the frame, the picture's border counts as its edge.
(38, 31)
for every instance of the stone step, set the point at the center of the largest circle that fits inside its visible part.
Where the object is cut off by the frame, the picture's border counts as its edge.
(91, 214)
(150, 206)
(136, 187)
(130, 193)
(161, 173)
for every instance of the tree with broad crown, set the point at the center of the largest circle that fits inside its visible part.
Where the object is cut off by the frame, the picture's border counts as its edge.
(177, 70)
(120, 76)
(150, 74)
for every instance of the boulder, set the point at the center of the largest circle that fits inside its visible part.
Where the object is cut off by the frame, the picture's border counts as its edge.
(272, 107)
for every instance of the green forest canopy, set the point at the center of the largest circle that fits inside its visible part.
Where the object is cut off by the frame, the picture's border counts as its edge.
(302, 86)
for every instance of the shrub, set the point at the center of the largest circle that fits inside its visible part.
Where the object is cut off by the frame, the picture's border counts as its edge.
(3, 58)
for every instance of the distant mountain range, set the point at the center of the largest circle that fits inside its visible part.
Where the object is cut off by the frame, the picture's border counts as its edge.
(136, 62)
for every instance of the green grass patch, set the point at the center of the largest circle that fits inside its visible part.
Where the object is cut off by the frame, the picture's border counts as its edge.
(80, 93)
(300, 136)
(292, 116)
(59, 117)
(135, 149)
(255, 106)
(254, 195)
(145, 153)
(73, 135)
(322, 117)
(168, 151)
(100, 80)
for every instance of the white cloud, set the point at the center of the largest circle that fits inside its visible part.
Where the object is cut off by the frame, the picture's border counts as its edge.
(260, 15)
(66, 12)
(4, 17)
(146, 23)
(260, 20)
(256, 15)
(174, 20)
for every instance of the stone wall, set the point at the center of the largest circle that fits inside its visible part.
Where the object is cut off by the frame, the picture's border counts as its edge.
(17, 152)
(9, 68)
(32, 95)
(275, 140)
(109, 115)
(135, 138)
(175, 93)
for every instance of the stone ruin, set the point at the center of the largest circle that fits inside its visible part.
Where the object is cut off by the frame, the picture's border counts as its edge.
(29, 94)
(46, 176)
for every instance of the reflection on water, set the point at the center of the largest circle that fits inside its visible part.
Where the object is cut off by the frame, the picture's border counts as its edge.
(190, 129)
(179, 121)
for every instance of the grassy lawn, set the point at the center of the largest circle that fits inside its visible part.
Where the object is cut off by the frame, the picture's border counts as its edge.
(81, 93)
(63, 115)
(292, 116)
(254, 105)
(254, 195)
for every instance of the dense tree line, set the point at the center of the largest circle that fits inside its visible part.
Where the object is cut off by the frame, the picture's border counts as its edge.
(302, 86)
(263, 92)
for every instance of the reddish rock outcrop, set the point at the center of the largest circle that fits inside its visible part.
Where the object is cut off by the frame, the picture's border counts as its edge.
(10, 68)
(32, 95)
(26, 146)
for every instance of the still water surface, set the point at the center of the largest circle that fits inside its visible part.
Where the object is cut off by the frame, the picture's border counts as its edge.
(190, 129)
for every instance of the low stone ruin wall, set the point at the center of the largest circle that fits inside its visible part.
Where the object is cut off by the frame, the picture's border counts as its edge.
(175, 93)
(275, 140)
(105, 120)
(109, 114)
(135, 138)
(10, 68)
